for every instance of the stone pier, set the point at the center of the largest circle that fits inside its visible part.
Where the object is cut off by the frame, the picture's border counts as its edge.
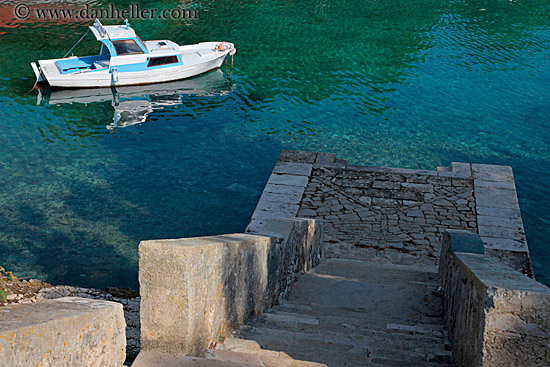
(394, 215)
(378, 297)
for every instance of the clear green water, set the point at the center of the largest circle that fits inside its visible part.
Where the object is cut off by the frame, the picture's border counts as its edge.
(397, 83)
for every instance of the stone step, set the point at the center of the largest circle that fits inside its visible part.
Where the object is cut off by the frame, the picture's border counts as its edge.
(369, 340)
(426, 341)
(389, 362)
(341, 323)
(335, 349)
(371, 271)
(317, 351)
(427, 310)
(361, 317)
(261, 357)
(235, 347)
(359, 313)
(159, 359)
(384, 303)
(221, 358)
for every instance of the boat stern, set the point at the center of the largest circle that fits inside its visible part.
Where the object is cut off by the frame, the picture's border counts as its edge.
(46, 71)
(38, 73)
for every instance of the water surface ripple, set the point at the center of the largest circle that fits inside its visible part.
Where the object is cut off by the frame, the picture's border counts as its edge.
(414, 84)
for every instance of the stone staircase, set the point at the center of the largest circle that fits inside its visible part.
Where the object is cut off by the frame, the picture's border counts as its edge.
(356, 313)
(232, 352)
(342, 313)
(245, 354)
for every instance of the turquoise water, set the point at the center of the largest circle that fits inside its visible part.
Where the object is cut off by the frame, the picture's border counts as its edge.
(396, 83)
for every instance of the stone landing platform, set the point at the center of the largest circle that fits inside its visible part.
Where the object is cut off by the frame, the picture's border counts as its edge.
(397, 216)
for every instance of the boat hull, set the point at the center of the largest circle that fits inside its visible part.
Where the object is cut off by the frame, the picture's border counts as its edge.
(108, 78)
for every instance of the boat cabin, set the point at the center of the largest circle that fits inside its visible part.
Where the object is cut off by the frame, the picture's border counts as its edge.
(123, 50)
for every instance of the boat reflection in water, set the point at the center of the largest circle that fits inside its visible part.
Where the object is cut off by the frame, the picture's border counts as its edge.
(133, 104)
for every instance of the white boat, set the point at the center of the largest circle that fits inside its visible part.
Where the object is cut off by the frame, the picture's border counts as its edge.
(133, 104)
(125, 59)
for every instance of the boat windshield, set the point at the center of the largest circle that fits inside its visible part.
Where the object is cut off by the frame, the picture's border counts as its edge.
(127, 47)
(105, 54)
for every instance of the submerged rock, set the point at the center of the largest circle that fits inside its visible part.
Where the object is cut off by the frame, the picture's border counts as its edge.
(242, 189)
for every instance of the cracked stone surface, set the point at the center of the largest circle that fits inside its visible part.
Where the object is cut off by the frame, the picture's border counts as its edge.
(387, 217)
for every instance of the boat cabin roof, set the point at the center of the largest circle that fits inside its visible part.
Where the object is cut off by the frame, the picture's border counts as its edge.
(110, 32)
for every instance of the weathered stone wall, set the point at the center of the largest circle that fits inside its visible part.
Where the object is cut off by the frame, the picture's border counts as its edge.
(495, 315)
(67, 332)
(195, 290)
(282, 193)
(295, 249)
(499, 218)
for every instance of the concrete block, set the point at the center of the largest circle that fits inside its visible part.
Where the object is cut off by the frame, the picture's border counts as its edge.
(297, 250)
(283, 198)
(296, 191)
(446, 174)
(325, 159)
(196, 289)
(496, 198)
(505, 185)
(340, 163)
(505, 244)
(495, 315)
(289, 168)
(288, 180)
(67, 331)
(254, 225)
(501, 232)
(289, 210)
(463, 241)
(518, 260)
(497, 275)
(264, 215)
(510, 213)
(460, 167)
(500, 221)
(489, 172)
(297, 156)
